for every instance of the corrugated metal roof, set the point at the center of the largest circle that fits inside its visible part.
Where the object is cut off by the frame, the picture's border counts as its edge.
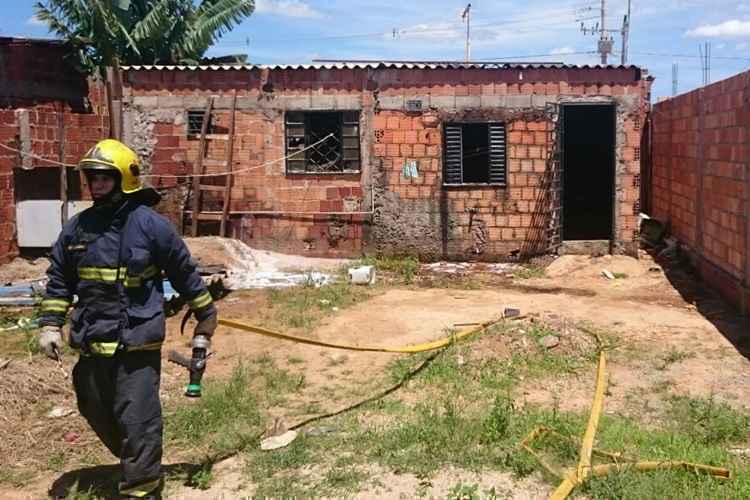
(373, 65)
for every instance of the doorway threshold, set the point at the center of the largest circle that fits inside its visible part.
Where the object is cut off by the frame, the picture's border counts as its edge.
(586, 247)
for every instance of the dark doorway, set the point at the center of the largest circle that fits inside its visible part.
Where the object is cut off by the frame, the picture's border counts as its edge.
(589, 171)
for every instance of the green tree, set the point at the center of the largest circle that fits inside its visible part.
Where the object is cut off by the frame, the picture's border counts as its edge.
(103, 33)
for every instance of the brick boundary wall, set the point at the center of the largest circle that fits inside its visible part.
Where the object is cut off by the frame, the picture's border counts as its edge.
(37, 84)
(701, 180)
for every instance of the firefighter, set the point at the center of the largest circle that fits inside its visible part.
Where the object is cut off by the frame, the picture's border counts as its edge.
(111, 256)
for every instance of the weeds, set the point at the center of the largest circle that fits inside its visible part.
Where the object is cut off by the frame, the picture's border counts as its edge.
(674, 356)
(404, 268)
(529, 272)
(302, 307)
(708, 421)
(497, 423)
(201, 479)
(225, 418)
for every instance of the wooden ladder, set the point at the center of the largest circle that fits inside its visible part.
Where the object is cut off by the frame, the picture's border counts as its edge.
(197, 214)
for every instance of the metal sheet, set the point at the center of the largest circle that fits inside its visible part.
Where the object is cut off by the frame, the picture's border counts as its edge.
(39, 222)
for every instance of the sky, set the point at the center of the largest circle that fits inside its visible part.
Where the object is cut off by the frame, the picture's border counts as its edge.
(662, 33)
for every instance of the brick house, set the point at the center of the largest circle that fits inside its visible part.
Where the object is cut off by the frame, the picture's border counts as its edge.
(440, 160)
(49, 110)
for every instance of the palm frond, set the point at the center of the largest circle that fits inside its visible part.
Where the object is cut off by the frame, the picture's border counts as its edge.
(214, 18)
(54, 23)
(155, 23)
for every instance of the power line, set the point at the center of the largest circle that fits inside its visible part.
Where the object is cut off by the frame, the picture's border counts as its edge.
(589, 52)
(688, 56)
(551, 14)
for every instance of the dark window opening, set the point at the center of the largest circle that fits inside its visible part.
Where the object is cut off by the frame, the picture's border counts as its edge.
(195, 123)
(322, 142)
(475, 153)
(589, 171)
(43, 183)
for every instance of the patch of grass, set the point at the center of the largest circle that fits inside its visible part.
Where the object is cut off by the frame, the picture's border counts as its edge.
(201, 479)
(708, 421)
(498, 422)
(628, 436)
(277, 382)
(15, 476)
(402, 267)
(463, 491)
(294, 360)
(21, 341)
(225, 418)
(674, 356)
(56, 461)
(529, 272)
(303, 307)
(342, 480)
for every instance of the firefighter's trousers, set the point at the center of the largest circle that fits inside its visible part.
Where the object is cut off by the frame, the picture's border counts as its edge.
(119, 397)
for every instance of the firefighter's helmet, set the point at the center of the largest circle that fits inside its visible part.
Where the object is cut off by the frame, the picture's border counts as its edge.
(110, 154)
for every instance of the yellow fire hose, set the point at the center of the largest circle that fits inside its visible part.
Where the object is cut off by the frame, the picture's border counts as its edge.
(572, 478)
(428, 346)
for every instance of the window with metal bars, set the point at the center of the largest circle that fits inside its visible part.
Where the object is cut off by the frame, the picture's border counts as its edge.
(195, 123)
(322, 142)
(474, 153)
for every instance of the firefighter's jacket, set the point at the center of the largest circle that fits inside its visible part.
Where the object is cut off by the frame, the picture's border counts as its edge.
(112, 261)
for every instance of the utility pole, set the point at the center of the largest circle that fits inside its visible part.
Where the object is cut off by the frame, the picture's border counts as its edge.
(625, 36)
(674, 79)
(467, 16)
(705, 57)
(605, 42)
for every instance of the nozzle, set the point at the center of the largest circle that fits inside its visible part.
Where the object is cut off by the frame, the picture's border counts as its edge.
(193, 391)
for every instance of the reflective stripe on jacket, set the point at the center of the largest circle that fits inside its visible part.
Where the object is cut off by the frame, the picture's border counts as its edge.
(113, 262)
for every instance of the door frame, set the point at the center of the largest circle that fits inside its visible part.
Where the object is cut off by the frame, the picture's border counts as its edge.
(561, 136)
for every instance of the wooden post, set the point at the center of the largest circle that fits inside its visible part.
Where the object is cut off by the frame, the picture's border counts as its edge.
(63, 168)
(229, 177)
(198, 169)
(114, 100)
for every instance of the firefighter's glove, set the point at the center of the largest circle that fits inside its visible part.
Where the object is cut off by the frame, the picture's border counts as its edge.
(50, 341)
(206, 326)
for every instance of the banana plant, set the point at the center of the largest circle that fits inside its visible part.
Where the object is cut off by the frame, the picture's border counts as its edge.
(103, 33)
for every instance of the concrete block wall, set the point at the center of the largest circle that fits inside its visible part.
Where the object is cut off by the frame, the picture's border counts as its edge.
(415, 216)
(701, 179)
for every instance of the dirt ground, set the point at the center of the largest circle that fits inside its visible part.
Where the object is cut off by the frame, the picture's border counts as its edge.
(668, 331)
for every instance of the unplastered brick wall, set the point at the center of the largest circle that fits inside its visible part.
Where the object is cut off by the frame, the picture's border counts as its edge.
(422, 216)
(36, 130)
(412, 214)
(701, 181)
(296, 213)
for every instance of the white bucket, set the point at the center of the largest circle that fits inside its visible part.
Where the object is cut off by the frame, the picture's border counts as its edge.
(364, 275)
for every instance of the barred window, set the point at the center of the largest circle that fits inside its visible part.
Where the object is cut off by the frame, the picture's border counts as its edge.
(195, 123)
(474, 154)
(322, 142)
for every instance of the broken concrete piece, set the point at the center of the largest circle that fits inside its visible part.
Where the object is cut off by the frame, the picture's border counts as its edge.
(549, 341)
(608, 274)
(276, 442)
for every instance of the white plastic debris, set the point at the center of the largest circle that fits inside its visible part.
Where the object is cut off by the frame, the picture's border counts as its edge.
(280, 441)
(59, 411)
(363, 275)
(608, 274)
